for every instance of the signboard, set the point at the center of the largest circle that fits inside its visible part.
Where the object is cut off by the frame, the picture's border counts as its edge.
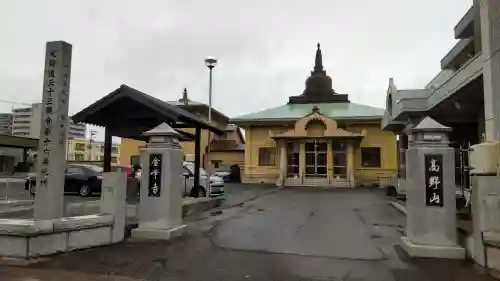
(155, 170)
(51, 159)
(434, 180)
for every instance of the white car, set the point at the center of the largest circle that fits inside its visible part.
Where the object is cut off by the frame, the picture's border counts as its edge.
(212, 185)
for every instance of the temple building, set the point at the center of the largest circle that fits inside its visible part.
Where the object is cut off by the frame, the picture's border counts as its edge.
(319, 138)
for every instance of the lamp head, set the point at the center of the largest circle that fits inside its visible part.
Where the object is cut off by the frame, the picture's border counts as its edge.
(210, 62)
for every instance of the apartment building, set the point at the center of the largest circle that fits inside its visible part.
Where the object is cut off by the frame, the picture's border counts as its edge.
(464, 96)
(76, 131)
(86, 150)
(26, 123)
(5, 123)
(455, 97)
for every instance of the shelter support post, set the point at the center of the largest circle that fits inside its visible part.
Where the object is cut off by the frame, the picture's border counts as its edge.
(197, 154)
(107, 150)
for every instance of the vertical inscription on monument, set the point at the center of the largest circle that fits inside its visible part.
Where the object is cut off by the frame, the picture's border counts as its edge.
(51, 157)
(155, 169)
(434, 180)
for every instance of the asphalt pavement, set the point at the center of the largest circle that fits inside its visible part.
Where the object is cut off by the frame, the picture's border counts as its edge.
(287, 234)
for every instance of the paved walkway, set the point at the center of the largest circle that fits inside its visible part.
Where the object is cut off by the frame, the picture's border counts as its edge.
(290, 234)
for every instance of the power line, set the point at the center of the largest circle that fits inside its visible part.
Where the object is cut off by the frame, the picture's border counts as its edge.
(15, 102)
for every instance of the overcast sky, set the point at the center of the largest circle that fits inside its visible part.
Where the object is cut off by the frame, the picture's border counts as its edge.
(265, 48)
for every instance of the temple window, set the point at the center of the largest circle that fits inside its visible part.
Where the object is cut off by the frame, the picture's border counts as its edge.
(267, 156)
(293, 159)
(339, 149)
(370, 157)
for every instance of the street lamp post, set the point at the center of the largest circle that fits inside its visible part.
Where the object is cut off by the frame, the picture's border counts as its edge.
(210, 62)
(91, 142)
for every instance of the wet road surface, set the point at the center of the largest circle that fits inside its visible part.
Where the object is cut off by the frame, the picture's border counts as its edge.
(290, 234)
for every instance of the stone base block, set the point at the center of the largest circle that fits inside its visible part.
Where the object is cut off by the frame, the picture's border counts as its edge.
(87, 238)
(159, 234)
(432, 251)
(47, 244)
(13, 246)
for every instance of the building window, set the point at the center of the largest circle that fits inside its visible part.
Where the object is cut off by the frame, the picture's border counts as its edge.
(267, 156)
(339, 149)
(370, 157)
(114, 159)
(292, 159)
(20, 134)
(15, 127)
(79, 157)
(80, 146)
(135, 160)
(114, 150)
(216, 163)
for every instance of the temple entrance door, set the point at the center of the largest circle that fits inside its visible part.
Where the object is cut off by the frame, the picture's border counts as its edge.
(316, 155)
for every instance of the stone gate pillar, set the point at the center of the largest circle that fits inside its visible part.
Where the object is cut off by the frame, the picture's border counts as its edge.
(431, 212)
(160, 207)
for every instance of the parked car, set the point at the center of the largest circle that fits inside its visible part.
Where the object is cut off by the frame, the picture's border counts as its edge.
(216, 183)
(80, 178)
(122, 168)
(229, 173)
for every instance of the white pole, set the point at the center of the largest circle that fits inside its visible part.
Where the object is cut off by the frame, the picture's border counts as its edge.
(210, 97)
(209, 117)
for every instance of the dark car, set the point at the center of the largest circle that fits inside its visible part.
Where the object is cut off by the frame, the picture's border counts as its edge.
(79, 178)
(229, 173)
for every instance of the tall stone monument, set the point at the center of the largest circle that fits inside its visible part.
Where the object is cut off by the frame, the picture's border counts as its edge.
(160, 207)
(431, 194)
(51, 159)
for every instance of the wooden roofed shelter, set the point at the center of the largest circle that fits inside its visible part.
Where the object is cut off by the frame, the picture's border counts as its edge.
(127, 113)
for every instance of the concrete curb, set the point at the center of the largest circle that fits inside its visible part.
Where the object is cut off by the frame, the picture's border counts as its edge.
(200, 205)
(16, 202)
(15, 206)
(398, 206)
(21, 262)
(189, 207)
(16, 210)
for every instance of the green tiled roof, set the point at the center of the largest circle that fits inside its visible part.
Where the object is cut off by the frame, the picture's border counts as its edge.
(297, 111)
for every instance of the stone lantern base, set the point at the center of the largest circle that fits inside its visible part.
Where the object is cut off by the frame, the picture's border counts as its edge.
(432, 251)
(159, 234)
